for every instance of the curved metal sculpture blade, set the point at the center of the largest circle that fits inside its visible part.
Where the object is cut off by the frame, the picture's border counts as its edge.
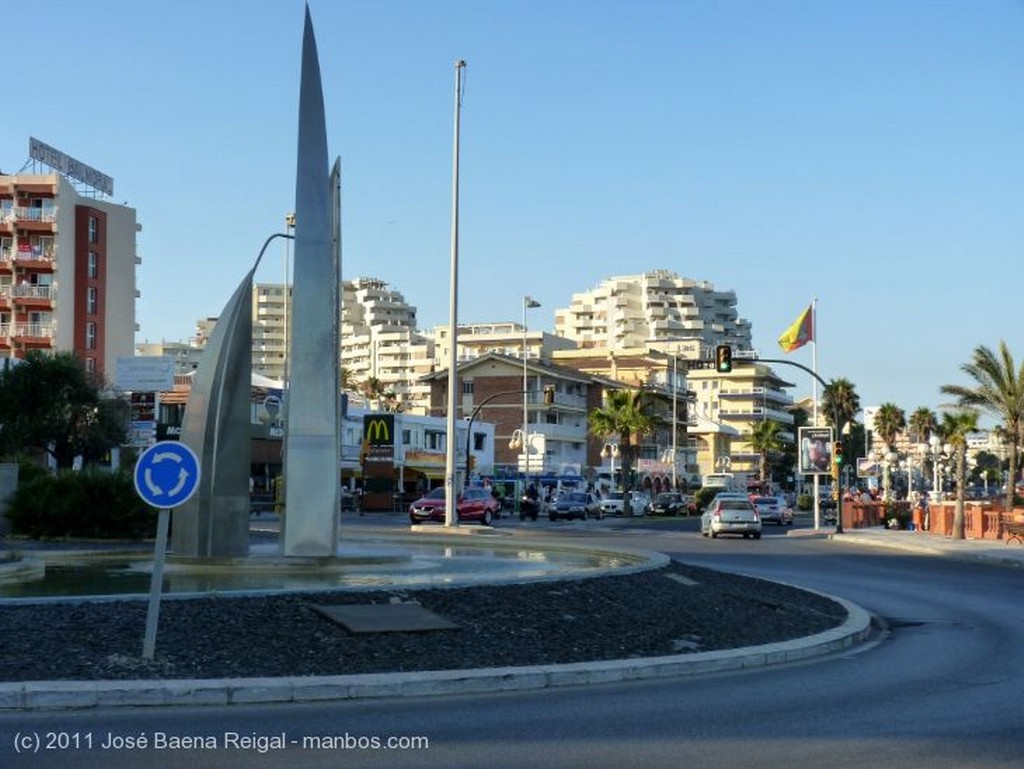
(311, 469)
(215, 522)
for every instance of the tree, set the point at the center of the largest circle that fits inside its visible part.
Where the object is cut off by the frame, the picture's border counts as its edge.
(890, 420)
(840, 403)
(50, 403)
(955, 429)
(627, 416)
(922, 424)
(764, 439)
(998, 391)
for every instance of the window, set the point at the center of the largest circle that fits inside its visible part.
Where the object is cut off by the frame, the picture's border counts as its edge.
(91, 300)
(94, 265)
(90, 365)
(90, 336)
(94, 229)
(479, 441)
(467, 386)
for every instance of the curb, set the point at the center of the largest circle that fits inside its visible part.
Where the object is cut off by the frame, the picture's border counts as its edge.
(63, 695)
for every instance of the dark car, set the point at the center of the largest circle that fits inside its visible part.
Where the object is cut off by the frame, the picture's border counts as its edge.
(670, 503)
(473, 504)
(575, 504)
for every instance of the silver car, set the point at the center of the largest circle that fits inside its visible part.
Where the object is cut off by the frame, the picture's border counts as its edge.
(730, 513)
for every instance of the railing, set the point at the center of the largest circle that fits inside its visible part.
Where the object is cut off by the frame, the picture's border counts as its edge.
(31, 214)
(29, 291)
(35, 254)
(5, 330)
(34, 330)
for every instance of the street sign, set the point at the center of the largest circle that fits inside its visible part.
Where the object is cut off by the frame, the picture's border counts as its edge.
(167, 474)
(145, 373)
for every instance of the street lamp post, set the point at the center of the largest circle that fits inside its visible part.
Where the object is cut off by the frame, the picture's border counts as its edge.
(529, 303)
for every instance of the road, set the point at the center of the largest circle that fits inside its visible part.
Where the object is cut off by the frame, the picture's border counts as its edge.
(941, 688)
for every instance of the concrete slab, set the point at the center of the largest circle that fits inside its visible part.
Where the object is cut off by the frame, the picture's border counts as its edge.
(406, 617)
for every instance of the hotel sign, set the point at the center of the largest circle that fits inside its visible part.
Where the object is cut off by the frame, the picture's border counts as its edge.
(68, 166)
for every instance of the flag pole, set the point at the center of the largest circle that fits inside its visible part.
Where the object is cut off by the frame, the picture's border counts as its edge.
(814, 367)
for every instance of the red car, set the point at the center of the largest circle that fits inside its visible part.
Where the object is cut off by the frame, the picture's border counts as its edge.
(473, 504)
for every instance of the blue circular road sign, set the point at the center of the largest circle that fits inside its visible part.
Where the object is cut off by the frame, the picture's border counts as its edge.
(167, 474)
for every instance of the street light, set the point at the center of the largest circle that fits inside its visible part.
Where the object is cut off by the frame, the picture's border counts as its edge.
(529, 303)
(939, 453)
(611, 450)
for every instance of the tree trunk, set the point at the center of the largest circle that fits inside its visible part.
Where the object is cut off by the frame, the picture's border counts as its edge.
(961, 472)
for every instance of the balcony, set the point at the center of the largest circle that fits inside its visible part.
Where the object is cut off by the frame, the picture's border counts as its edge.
(32, 295)
(33, 332)
(28, 214)
(34, 257)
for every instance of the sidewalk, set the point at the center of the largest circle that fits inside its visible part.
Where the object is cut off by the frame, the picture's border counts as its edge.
(988, 550)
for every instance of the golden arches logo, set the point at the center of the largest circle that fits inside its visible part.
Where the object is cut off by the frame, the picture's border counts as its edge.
(378, 431)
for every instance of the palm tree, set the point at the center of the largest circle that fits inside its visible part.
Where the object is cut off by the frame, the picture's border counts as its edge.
(764, 439)
(955, 428)
(922, 423)
(998, 391)
(889, 421)
(840, 403)
(626, 415)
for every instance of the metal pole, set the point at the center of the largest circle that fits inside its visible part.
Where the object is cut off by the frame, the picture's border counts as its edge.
(451, 492)
(156, 583)
(528, 303)
(675, 424)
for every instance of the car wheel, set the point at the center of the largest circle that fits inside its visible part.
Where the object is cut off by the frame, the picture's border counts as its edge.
(552, 517)
(488, 518)
(757, 535)
(714, 534)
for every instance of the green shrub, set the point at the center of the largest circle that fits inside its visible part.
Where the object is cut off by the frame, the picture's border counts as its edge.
(89, 504)
(703, 497)
(804, 502)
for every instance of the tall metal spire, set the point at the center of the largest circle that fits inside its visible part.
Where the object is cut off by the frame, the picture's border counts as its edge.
(311, 439)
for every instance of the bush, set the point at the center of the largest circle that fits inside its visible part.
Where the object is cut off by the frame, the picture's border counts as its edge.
(89, 504)
(703, 497)
(804, 502)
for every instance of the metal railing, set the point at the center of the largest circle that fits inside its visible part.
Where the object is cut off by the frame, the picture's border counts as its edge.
(31, 214)
(32, 291)
(34, 330)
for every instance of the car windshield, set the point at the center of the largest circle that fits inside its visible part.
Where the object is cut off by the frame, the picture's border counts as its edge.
(616, 495)
(574, 497)
(668, 497)
(437, 493)
(766, 501)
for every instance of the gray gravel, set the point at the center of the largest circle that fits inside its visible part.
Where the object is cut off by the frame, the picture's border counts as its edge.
(613, 617)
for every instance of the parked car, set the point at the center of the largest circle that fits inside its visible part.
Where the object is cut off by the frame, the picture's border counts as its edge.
(473, 504)
(615, 502)
(773, 510)
(730, 513)
(670, 503)
(575, 504)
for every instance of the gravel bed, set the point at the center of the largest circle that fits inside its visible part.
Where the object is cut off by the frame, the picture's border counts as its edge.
(613, 617)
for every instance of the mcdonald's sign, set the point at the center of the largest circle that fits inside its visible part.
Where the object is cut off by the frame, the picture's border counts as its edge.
(379, 430)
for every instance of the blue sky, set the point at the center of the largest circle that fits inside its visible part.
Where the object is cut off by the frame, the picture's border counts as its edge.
(866, 154)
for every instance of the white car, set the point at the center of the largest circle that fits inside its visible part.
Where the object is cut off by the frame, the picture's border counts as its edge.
(615, 502)
(730, 513)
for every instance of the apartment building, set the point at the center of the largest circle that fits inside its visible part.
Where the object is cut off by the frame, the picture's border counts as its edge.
(654, 307)
(67, 270)
(751, 393)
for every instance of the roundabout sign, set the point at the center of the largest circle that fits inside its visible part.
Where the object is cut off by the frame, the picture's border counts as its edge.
(167, 474)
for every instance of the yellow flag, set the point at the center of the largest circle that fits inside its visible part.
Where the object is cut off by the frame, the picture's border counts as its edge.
(800, 333)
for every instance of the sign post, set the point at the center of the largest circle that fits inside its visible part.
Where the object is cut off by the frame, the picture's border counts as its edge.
(166, 475)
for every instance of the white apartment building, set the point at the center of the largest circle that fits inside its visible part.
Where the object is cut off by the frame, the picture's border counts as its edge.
(67, 269)
(654, 309)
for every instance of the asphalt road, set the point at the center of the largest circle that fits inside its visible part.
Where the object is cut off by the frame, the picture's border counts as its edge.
(940, 688)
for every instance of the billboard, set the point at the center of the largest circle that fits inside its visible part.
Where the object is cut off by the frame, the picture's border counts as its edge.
(815, 450)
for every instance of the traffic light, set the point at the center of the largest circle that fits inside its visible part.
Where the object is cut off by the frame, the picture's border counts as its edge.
(723, 359)
(837, 452)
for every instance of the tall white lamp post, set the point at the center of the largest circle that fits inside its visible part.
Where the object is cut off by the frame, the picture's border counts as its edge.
(529, 303)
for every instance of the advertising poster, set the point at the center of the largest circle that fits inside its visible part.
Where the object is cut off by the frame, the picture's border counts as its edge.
(815, 450)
